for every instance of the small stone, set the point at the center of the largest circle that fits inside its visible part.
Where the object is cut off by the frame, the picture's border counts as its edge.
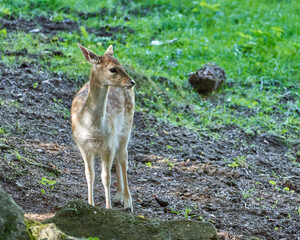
(145, 158)
(36, 30)
(161, 202)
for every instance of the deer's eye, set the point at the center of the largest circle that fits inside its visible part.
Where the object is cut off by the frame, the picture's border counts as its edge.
(113, 70)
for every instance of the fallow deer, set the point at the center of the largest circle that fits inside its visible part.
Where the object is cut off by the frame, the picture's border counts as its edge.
(102, 114)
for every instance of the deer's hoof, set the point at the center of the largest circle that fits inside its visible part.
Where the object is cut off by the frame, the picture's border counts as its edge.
(118, 200)
(128, 210)
(128, 203)
(117, 203)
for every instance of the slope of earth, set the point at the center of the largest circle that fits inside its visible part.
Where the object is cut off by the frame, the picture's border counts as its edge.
(247, 185)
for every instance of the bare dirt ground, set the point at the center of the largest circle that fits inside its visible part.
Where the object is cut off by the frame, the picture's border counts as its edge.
(189, 176)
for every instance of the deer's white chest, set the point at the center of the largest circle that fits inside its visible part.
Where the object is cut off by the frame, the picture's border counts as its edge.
(96, 134)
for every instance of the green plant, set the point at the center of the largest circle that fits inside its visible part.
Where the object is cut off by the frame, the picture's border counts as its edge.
(14, 103)
(239, 161)
(60, 108)
(18, 155)
(187, 212)
(3, 32)
(57, 17)
(5, 11)
(171, 165)
(233, 164)
(275, 204)
(149, 164)
(272, 183)
(175, 211)
(3, 131)
(248, 193)
(84, 32)
(48, 183)
(210, 220)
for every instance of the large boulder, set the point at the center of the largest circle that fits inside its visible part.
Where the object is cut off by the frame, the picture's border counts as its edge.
(12, 225)
(80, 219)
(207, 79)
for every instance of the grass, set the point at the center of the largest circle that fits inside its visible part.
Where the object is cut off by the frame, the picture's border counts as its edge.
(256, 42)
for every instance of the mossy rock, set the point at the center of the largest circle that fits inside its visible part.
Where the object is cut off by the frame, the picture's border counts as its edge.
(80, 219)
(49, 232)
(12, 225)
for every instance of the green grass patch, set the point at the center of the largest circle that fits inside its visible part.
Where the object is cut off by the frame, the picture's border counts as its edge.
(255, 42)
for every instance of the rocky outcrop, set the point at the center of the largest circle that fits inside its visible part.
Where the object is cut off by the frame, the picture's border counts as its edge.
(79, 219)
(207, 79)
(12, 224)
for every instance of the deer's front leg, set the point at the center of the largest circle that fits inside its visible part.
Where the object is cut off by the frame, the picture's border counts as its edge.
(124, 165)
(119, 195)
(89, 173)
(107, 160)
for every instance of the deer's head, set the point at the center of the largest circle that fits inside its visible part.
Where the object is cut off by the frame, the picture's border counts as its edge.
(107, 70)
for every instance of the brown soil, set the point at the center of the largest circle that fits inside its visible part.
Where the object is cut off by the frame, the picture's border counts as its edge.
(189, 177)
(37, 25)
(46, 27)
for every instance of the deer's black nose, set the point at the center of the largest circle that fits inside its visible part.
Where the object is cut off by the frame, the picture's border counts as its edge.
(132, 82)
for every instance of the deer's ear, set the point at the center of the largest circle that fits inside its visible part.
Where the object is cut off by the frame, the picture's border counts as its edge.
(89, 55)
(110, 50)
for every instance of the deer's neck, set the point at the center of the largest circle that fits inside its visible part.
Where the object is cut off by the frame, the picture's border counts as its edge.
(97, 101)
